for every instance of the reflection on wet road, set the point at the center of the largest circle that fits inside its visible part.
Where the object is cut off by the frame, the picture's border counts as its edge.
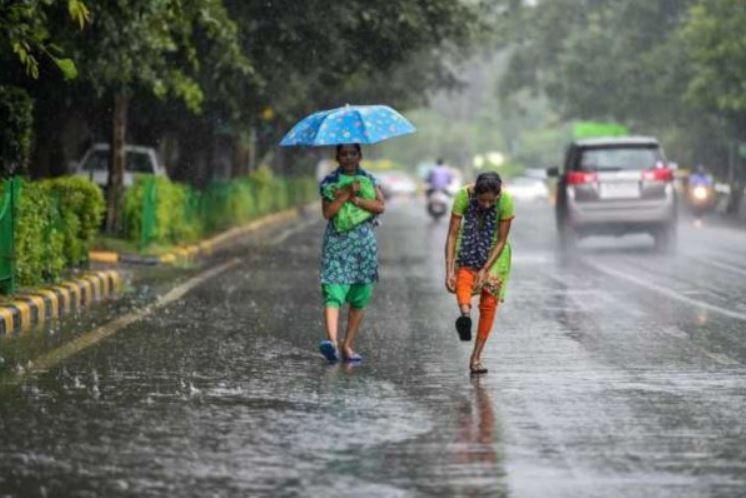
(616, 373)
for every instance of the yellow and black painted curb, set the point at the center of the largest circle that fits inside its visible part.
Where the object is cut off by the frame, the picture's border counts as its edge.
(192, 252)
(32, 307)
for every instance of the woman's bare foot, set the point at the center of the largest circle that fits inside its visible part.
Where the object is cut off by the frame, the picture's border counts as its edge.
(349, 355)
(476, 367)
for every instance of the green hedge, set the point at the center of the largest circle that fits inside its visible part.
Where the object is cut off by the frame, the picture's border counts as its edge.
(172, 220)
(183, 214)
(81, 207)
(57, 223)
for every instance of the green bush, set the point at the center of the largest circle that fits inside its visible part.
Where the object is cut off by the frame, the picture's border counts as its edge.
(262, 182)
(56, 226)
(81, 208)
(183, 214)
(171, 212)
(39, 239)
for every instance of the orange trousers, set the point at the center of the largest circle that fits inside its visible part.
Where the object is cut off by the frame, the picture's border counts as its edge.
(465, 278)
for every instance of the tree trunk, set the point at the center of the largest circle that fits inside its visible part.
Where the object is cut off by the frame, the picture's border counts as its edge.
(115, 185)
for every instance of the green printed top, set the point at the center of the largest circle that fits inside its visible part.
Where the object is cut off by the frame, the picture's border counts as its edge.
(478, 235)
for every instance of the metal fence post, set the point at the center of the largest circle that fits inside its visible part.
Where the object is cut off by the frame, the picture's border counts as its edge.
(149, 207)
(8, 212)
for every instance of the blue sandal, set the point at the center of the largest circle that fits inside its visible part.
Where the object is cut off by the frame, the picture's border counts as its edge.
(329, 351)
(353, 358)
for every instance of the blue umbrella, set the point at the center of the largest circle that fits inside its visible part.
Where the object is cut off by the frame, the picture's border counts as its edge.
(364, 124)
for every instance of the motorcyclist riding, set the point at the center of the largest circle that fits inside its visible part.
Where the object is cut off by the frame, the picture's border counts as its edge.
(700, 191)
(700, 176)
(439, 177)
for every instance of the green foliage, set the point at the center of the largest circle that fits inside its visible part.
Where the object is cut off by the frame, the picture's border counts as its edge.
(183, 215)
(165, 59)
(16, 116)
(715, 36)
(39, 239)
(670, 68)
(81, 208)
(56, 226)
(172, 224)
(25, 29)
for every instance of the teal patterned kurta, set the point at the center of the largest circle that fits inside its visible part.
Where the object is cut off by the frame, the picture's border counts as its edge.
(349, 257)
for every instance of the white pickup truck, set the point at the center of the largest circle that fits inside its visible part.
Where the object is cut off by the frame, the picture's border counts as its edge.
(95, 163)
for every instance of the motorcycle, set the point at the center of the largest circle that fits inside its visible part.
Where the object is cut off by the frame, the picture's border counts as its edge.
(701, 198)
(437, 204)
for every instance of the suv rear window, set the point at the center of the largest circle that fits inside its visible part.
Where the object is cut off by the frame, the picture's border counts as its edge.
(618, 158)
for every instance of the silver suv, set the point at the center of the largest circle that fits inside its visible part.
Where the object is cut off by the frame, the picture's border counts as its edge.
(615, 186)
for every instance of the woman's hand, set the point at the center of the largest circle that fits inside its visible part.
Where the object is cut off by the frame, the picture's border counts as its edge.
(451, 282)
(344, 194)
(481, 278)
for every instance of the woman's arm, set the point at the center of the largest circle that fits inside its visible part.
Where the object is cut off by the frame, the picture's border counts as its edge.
(502, 239)
(375, 206)
(330, 208)
(453, 229)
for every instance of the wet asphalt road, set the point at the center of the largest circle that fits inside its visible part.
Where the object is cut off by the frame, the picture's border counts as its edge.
(619, 373)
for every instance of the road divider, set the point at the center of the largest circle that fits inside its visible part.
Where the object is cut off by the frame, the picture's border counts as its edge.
(198, 250)
(31, 308)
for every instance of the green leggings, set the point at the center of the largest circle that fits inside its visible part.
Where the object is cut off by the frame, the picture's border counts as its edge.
(337, 295)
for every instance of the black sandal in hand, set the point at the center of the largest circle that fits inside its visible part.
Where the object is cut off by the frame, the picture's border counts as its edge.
(463, 327)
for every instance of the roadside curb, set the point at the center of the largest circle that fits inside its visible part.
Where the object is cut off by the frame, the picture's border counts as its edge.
(191, 252)
(34, 306)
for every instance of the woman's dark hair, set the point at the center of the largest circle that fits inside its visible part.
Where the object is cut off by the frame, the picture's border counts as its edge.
(488, 182)
(357, 146)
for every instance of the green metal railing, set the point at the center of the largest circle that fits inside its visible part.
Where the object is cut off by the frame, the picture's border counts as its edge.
(8, 208)
(220, 205)
(149, 214)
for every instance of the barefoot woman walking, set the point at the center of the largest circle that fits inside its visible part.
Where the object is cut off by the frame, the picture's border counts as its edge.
(478, 256)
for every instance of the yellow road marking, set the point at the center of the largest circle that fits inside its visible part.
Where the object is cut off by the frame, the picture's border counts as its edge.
(41, 307)
(7, 316)
(25, 311)
(66, 297)
(103, 256)
(95, 283)
(117, 278)
(54, 302)
(89, 290)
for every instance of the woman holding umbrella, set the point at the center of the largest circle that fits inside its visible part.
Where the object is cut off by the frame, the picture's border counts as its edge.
(349, 258)
(351, 199)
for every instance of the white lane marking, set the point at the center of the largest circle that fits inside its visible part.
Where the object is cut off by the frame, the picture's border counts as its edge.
(281, 237)
(52, 358)
(723, 266)
(720, 358)
(667, 292)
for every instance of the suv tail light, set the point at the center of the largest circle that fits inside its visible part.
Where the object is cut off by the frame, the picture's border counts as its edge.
(658, 175)
(581, 177)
